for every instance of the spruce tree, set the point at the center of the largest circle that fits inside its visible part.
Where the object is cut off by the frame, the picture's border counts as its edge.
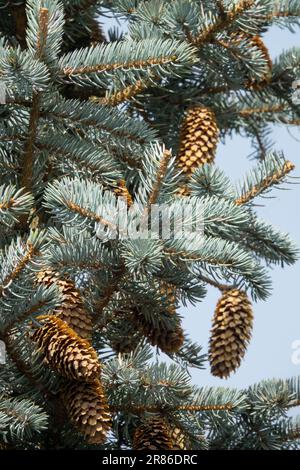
(89, 121)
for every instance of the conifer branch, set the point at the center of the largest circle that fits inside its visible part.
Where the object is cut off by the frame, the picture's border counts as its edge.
(263, 110)
(7, 204)
(83, 5)
(21, 418)
(31, 251)
(189, 256)
(122, 95)
(110, 290)
(214, 283)
(161, 408)
(221, 8)
(294, 404)
(43, 31)
(28, 157)
(13, 203)
(266, 183)
(83, 164)
(21, 365)
(11, 138)
(122, 191)
(117, 132)
(136, 64)
(223, 22)
(292, 122)
(163, 166)
(277, 13)
(20, 21)
(86, 213)
(292, 435)
(224, 407)
(215, 90)
(25, 315)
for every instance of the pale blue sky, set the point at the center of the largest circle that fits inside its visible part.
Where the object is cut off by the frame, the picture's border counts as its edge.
(277, 321)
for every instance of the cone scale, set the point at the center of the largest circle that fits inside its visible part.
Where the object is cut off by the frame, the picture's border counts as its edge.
(66, 353)
(230, 333)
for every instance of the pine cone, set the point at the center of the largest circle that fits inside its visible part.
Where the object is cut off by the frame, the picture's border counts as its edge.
(67, 353)
(168, 341)
(258, 84)
(88, 411)
(72, 309)
(97, 34)
(179, 439)
(168, 336)
(168, 293)
(198, 139)
(257, 42)
(231, 332)
(122, 334)
(153, 434)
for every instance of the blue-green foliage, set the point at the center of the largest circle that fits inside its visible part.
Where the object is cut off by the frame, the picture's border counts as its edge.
(84, 115)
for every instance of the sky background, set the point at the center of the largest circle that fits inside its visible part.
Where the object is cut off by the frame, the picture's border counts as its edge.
(277, 320)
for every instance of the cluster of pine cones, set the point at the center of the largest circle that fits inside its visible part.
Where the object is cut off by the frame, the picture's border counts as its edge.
(64, 337)
(63, 340)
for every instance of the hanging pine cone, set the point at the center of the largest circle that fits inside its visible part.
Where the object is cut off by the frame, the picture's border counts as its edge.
(198, 139)
(122, 334)
(67, 353)
(168, 341)
(167, 335)
(168, 293)
(257, 43)
(125, 344)
(258, 84)
(88, 411)
(178, 439)
(153, 434)
(231, 332)
(72, 309)
(97, 34)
